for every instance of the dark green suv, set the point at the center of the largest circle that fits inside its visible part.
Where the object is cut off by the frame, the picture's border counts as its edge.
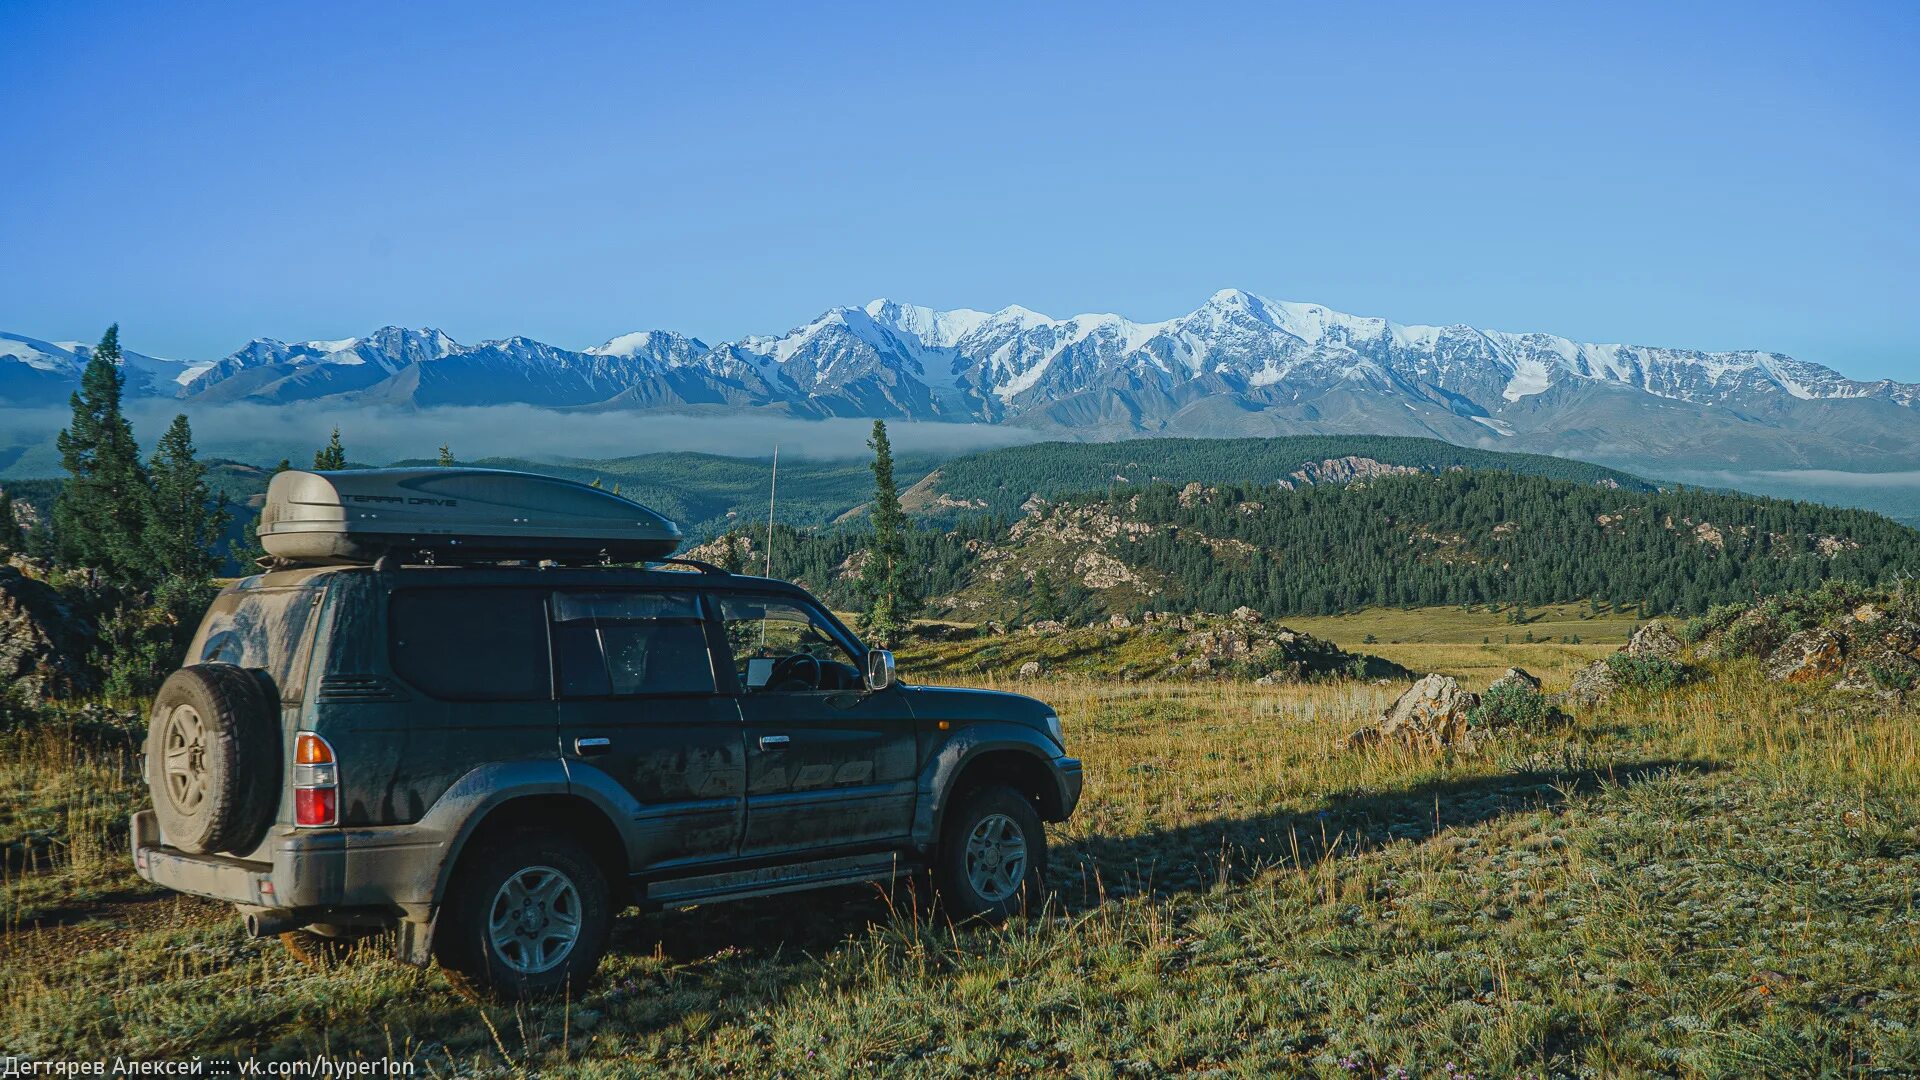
(496, 759)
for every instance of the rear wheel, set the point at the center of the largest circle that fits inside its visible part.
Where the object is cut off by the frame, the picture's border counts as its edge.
(213, 758)
(527, 916)
(992, 859)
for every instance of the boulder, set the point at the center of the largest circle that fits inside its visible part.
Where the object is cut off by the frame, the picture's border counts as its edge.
(1593, 684)
(1654, 641)
(1518, 678)
(1806, 656)
(1030, 670)
(1246, 614)
(1901, 636)
(1431, 714)
(44, 640)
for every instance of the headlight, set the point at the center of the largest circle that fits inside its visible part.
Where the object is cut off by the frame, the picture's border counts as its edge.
(1053, 729)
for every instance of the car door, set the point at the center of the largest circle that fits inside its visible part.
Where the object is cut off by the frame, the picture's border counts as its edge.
(829, 763)
(640, 701)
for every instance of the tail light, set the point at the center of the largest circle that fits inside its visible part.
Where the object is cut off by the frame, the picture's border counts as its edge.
(316, 781)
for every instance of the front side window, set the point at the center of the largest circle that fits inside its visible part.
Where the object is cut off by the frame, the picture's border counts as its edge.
(631, 644)
(471, 644)
(780, 645)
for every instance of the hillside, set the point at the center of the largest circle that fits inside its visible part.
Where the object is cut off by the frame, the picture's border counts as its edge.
(707, 493)
(1458, 537)
(1000, 481)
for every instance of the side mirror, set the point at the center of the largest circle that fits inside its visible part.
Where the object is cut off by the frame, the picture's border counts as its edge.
(879, 669)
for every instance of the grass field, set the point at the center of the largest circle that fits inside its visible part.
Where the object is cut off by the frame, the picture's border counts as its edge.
(1721, 881)
(1475, 647)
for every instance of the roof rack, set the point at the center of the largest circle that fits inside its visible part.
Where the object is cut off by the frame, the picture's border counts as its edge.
(698, 564)
(395, 560)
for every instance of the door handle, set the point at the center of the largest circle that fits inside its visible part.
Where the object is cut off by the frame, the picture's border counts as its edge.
(773, 742)
(588, 747)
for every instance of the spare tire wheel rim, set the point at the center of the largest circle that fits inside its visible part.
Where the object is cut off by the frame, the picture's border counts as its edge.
(996, 857)
(183, 759)
(534, 920)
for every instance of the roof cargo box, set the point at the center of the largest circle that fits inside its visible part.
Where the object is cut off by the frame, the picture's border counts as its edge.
(454, 515)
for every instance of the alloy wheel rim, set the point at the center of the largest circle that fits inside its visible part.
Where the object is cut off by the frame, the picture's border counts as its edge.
(183, 759)
(996, 857)
(534, 920)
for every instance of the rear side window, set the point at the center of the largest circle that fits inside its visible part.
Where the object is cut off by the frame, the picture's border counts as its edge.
(471, 644)
(263, 629)
(631, 644)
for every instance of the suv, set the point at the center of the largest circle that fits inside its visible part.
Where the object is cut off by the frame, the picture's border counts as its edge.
(496, 759)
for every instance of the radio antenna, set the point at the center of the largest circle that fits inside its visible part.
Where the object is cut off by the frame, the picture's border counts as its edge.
(772, 489)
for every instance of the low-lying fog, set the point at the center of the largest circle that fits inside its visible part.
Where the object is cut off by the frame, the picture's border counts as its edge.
(266, 433)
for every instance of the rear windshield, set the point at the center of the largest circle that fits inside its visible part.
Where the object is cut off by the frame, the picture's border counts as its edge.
(258, 628)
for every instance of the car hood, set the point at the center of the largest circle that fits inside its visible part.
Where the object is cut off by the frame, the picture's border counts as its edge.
(962, 703)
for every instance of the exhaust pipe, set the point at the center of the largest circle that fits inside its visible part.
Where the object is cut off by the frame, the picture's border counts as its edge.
(270, 922)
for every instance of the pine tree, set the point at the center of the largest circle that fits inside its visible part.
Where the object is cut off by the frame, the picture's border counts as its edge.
(12, 537)
(732, 560)
(186, 519)
(446, 455)
(100, 515)
(332, 456)
(884, 578)
(249, 551)
(1044, 604)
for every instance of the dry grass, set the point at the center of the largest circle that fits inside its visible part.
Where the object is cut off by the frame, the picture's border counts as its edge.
(1718, 881)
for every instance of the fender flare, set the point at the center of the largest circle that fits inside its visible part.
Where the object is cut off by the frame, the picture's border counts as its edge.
(951, 758)
(465, 806)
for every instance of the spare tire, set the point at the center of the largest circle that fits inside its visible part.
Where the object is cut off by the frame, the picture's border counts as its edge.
(213, 758)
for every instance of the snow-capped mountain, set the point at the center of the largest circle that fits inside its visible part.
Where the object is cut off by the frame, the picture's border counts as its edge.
(35, 372)
(1239, 364)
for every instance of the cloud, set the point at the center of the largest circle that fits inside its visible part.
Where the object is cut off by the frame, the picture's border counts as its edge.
(267, 433)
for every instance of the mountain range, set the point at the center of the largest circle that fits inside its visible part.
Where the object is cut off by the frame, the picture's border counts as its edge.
(1238, 365)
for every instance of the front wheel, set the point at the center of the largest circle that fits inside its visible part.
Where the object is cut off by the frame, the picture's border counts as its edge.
(992, 860)
(525, 917)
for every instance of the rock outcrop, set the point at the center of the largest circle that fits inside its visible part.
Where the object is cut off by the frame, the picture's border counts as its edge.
(1593, 684)
(44, 641)
(1516, 678)
(1806, 656)
(1654, 641)
(1433, 714)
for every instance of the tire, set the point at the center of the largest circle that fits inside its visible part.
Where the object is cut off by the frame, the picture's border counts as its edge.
(983, 833)
(213, 758)
(521, 959)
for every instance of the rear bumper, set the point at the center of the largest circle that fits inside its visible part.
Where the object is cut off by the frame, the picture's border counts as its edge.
(391, 868)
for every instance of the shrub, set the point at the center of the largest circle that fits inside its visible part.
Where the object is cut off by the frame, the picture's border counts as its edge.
(1513, 705)
(1901, 677)
(143, 644)
(1650, 673)
(1717, 618)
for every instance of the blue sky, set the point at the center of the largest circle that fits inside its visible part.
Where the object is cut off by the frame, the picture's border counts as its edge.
(1733, 177)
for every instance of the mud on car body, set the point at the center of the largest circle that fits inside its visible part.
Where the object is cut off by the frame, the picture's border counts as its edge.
(496, 759)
